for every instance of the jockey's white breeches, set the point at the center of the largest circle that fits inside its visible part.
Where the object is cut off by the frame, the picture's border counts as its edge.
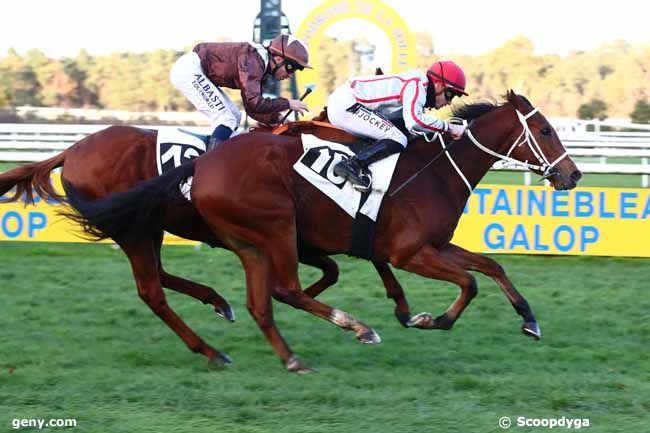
(363, 122)
(188, 77)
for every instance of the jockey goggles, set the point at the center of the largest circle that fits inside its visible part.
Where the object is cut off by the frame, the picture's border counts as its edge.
(291, 66)
(451, 93)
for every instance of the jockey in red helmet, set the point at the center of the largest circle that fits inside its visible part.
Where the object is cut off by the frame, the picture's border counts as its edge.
(200, 73)
(365, 106)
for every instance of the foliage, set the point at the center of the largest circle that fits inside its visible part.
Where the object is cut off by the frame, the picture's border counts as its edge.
(641, 113)
(77, 342)
(616, 73)
(594, 109)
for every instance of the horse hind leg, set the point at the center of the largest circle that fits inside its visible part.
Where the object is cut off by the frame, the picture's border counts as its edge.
(259, 285)
(485, 265)
(287, 290)
(205, 294)
(144, 264)
(330, 276)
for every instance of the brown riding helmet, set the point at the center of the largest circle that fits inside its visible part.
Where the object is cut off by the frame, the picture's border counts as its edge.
(290, 48)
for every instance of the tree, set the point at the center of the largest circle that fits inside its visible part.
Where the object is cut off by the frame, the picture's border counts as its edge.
(24, 88)
(78, 68)
(594, 109)
(5, 84)
(641, 113)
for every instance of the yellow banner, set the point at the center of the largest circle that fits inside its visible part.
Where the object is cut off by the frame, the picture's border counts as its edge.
(539, 220)
(497, 219)
(40, 223)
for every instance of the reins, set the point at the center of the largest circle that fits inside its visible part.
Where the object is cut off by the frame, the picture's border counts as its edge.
(417, 173)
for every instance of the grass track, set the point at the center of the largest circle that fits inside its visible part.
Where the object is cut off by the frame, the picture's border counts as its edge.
(78, 343)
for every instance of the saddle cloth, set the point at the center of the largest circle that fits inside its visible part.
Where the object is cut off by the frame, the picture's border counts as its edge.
(317, 163)
(174, 146)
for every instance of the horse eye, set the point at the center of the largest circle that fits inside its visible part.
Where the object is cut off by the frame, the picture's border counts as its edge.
(546, 131)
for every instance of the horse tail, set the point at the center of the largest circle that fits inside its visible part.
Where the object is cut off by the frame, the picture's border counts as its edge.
(134, 214)
(30, 178)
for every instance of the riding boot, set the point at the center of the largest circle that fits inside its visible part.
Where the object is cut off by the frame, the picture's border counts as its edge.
(352, 168)
(220, 134)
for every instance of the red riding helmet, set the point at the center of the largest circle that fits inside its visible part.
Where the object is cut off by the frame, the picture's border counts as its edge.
(449, 74)
(290, 48)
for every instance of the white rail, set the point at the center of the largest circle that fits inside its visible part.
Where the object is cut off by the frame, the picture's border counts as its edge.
(21, 143)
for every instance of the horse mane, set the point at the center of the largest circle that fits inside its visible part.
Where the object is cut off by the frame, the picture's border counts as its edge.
(474, 110)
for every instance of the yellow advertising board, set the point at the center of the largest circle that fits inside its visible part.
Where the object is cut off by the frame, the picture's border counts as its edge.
(41, 223)
(539, 220)
(497, 219)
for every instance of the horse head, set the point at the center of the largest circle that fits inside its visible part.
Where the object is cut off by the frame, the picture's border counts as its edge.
(518, 134)
(536, 143)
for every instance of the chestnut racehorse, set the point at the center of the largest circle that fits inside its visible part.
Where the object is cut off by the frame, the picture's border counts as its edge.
(256, 204)
(116, 159)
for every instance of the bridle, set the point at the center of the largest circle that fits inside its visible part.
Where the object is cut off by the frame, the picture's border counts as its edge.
(526, 137)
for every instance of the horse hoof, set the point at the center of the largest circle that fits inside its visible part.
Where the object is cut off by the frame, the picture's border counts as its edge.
(421, 321)
(295, 365)
(531, 329)
(220, 360)
(369, 336)
(225, 312)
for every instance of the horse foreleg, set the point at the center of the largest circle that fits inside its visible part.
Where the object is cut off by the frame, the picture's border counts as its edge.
(144, 263)
(205, 294)
(395, 292)
(430, 263)
(330, 273)
(489, 267)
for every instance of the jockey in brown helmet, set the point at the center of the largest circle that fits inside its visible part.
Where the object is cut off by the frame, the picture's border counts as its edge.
(201, 73)
(364, 106)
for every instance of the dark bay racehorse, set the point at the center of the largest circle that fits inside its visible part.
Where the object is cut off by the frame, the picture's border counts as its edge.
(259, 207)
(116, 159)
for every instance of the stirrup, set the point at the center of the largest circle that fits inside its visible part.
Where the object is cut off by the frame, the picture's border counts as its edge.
(366, 178)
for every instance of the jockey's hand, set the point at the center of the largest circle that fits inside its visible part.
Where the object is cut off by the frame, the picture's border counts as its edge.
(456, 131)
(298, 106)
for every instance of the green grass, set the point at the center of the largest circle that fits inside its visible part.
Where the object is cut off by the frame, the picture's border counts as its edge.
(77, 342)
(608, 180)
(6, 166)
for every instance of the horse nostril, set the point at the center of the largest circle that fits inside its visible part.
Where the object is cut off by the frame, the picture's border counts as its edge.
(576, 175)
